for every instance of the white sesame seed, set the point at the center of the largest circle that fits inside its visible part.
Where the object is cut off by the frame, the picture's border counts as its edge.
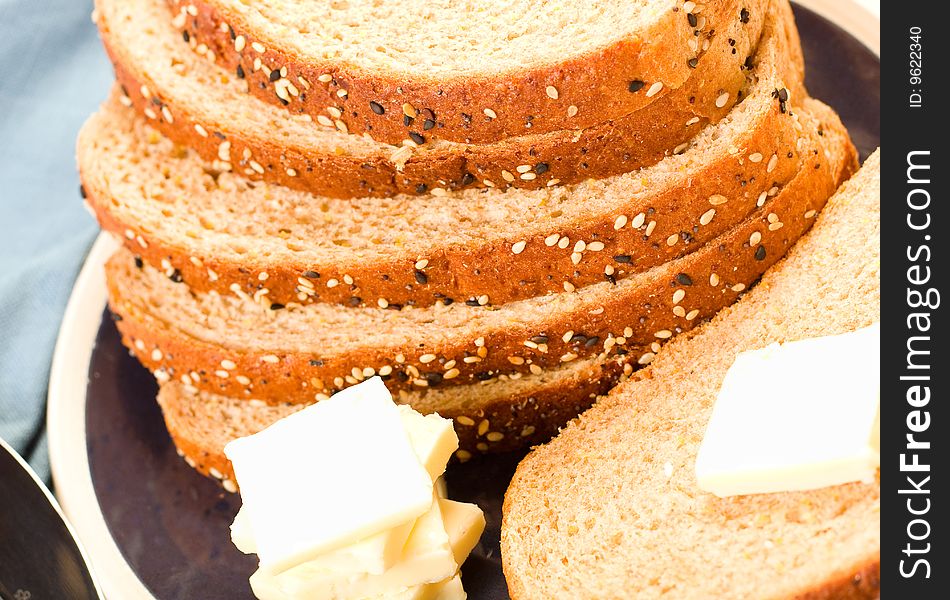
(243, 380)
(222, 374)
(738, 287)
(692, 121)
(568, 286)
(678, 296)
(646, 358)
(722, 100)
(228, 364)
(507, 176)
(270, 358)
(382, 303)
(679, 311)
(157, 355)
(495, 436)
(714, 280)
(671, 241)
(810, 214)
(334, 112)
(762, 198)
(258, 47)
(551, 91)
(518, 247)
(427, 358)
(490, 113)
(718, 199)
(650, 227)
(663, 334)
(773, 162)
(692, 314)
(755, 238)
(620, 222)
(529, 176)
(325, 78)
(239, 43)
(229, 486)
(655, 89)
(483, 300)
(638, 221)
(571, 111)
(552, 239)
(564, 242)
(756, 157)
(576, 257)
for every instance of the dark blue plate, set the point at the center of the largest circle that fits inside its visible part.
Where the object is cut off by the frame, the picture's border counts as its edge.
(171, 524)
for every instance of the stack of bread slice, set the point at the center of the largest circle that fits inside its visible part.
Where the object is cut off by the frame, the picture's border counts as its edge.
(502, 216)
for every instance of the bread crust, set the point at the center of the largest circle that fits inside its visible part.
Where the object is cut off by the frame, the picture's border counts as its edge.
(628, 239)
(519, 99)
(563, 156)
(499, 424)
(633, 322)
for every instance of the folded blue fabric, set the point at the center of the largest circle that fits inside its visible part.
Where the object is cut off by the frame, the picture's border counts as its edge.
(53, 74)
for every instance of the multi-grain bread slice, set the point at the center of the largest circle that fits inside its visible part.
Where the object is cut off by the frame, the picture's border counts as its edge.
(238, 345)
(611, 509)
(202, 107)
(477, 72)
(218, 231)
(493, 416)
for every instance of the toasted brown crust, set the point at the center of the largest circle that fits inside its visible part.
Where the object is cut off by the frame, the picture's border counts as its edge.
(456, 107)
(630, 239)
(566, 156)
(634, 322)
(517, 421)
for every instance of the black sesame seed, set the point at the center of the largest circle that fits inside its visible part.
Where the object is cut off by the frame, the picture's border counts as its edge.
(541, 168)
(471, 302)
(421, 278)
(448, 301)
(433, 378)
(401, 376)
(376, 107)
(540, 339)
(624, 259)
(220, 135)
(277, 306)
(186, 36)
(82, 191)
(311, 275)
(611, 279)
(749, 64)
(684, 279)
(578, 338)
(468, 179)
(692, 63)
(417, 138)
(428, 124)
(635, 86)
(231, 33)
(693, 19)
(744, 15)
(176, 276)
(421, 188)
(354, 301)
(760, 253)
(314, 362)
(139, 263)
(274, 75)
(115, 316)
(483, 376)
(240, 72)
(407, 120)
(591, 342)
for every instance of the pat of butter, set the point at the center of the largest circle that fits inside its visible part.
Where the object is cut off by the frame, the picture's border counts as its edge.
(462, 525)
(434, 440)
(798, 416)
(328, 476)
(427, 558)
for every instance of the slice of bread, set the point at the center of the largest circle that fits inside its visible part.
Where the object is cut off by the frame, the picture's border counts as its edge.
(241, 346)
(478, 72)
(220, 232)
(203, 107)
(493, 416)
(610, 508)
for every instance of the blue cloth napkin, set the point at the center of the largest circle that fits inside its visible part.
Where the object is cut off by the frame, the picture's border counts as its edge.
(53, 74)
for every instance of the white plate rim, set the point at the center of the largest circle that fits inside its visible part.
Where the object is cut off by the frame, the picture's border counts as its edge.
(65, 419)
